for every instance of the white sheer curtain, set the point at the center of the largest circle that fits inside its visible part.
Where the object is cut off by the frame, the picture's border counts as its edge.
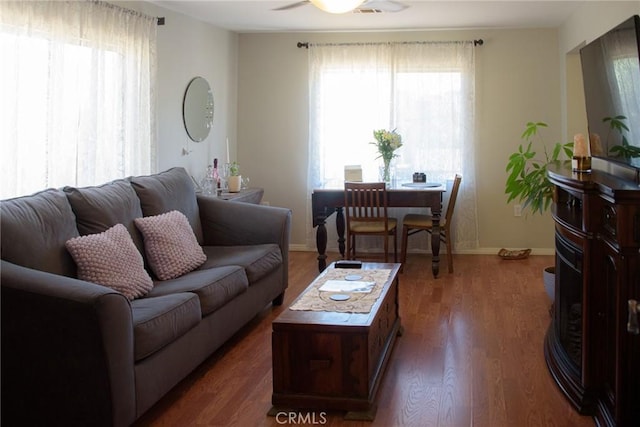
(424, 90)
(77, 103)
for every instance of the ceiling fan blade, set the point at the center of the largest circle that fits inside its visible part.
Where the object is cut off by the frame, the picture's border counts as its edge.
(384, 5)
(293, 5)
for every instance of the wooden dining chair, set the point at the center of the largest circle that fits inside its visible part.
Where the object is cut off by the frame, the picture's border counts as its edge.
(365, 207)
(415, 223)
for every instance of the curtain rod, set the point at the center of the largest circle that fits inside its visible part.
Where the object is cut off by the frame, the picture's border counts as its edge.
(307, 45)
(159, 19)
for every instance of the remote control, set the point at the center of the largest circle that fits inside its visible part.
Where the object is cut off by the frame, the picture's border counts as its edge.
(345, 263)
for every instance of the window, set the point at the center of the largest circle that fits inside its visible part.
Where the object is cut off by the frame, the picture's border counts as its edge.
(423, 90)
(77, 100)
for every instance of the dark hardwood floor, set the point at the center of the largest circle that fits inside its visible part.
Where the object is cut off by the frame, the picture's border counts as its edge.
(471, 355)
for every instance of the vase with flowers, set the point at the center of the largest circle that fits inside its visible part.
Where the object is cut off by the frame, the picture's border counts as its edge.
(387, 143)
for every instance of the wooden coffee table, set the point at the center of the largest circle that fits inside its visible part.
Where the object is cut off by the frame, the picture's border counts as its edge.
(329, 360)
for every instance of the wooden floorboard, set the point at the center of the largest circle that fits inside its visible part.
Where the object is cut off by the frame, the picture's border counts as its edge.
(471, 355)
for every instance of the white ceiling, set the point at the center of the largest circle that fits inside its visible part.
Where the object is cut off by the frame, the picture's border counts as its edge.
(259, 16)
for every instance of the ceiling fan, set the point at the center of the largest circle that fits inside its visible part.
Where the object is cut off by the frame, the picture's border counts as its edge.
(342, 6)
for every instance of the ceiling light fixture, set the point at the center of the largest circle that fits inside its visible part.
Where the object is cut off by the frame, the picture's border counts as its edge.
(337, 6)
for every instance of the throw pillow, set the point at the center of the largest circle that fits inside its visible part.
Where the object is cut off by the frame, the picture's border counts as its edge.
(111, 259)
(170, 244)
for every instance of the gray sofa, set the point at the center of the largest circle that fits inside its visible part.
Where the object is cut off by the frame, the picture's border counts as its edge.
(77, 353)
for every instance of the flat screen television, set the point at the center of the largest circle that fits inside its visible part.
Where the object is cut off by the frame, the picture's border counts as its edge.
(611, 76)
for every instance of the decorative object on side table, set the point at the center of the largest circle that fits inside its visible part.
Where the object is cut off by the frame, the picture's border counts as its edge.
(210, 184)
(216, 178)
(235, 179)
(207, 183)
(387, 143)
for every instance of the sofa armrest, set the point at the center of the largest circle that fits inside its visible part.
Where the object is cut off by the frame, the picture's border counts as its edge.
(67, 350)
(227, 223)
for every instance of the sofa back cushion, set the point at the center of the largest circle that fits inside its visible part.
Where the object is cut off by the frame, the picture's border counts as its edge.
(99, 208)
(168, 191)
(34, 230)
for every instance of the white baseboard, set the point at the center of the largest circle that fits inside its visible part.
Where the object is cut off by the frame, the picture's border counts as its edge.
(301, 248)
(477, 251)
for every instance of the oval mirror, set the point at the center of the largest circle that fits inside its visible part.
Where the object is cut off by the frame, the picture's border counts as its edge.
(197, 109)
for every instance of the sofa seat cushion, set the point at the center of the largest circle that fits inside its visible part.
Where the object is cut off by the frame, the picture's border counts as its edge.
(159, 321)
(35, 229)
(214, 287)
(257, 260)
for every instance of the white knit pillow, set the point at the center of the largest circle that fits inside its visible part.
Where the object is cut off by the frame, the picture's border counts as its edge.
(170, 244)
(111, 259)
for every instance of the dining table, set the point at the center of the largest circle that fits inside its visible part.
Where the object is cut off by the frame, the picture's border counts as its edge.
(327, 201)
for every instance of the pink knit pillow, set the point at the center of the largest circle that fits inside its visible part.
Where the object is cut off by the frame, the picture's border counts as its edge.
(170, 244)
(111, 259)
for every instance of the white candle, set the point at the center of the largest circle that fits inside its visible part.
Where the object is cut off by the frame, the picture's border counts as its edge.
(579, 146)
(228, 150)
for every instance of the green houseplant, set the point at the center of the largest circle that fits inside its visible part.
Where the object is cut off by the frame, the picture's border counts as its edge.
(527, 181)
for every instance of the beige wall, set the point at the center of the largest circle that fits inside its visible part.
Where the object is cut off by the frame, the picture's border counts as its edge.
(517, 81)
(522, 75)
(188, 48)
(260, 88)
(593, 19)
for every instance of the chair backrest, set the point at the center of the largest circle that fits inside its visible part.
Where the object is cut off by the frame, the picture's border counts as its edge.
(365, 202)
(452, 198)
